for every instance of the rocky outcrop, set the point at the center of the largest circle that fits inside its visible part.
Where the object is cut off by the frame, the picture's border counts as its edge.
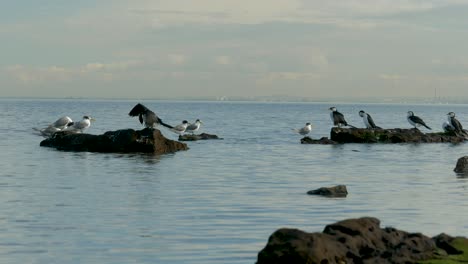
(321, 141)
(462, 165)
(120, 141)
(354, 241)
(335, 191)
(395, 135)
(193, 137)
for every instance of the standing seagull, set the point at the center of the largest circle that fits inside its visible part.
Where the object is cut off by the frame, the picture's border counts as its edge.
(338, 118)
(194, 127)
(368, 121)
(146, 116)
(304, 130)
(180, 129)
(80, 126)
(416, 120)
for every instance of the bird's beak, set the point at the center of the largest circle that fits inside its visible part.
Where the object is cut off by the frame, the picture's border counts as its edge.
(92, 119)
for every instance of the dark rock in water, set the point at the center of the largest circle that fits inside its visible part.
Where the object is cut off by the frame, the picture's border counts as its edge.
(462, 165)
(322, 141)
(349, 241)
(202, 136)
(120, 141)
(394, 135)
(336, 191)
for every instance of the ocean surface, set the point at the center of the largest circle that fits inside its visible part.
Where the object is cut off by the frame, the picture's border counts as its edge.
(219, 201)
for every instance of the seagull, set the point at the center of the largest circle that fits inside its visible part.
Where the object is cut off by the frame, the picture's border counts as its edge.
(57, 126)
(368, 121)
(146, 116)
(304, 130)
(447, 127)
(338, 118)
(62, 122)
(80, 126)
(416, 120)
(194, 127)
(180, 129)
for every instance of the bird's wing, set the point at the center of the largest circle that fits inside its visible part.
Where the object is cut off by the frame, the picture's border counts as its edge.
(191, 127)
(137, 110)
(371, 121)
(338, 117)
(456, 124)
(417, 120)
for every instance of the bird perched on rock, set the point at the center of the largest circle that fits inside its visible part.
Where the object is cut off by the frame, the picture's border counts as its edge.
(80, 126)
(194, 127)
(416, 120)
(303, 130)
(147, 117)
(57, 126)
(454, 122)
(367, 119)
(180, 129)
(447, 127)
(338, 118)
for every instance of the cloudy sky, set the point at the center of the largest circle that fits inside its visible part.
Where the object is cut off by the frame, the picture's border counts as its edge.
(212, 48)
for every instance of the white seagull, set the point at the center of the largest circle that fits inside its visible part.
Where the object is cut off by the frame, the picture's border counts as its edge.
(80, 126)
(180, 129)
(57, 126)
(303, 130)
(194, 127)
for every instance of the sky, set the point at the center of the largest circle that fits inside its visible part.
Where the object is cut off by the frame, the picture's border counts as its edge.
(159, 49)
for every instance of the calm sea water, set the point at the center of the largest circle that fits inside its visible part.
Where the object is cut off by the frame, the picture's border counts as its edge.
(219, 201)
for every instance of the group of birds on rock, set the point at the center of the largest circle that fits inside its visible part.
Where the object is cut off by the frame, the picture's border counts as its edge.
(147, 117)
(150, 120)
(451, 125)
(65, 123)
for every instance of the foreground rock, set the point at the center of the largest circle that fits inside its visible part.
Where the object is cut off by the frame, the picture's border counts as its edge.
(120, 141)
(395, 135)
(335, 191)
(358, 241)
(462, 165)
(202, 136)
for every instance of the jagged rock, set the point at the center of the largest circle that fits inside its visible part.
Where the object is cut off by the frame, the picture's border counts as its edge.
(202, 136)
(349, 241)
(335, 191)
(394, 135)
(120, 141)
(321, 141)
(462, 165)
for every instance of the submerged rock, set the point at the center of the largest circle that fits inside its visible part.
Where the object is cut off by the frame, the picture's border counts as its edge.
(462, 165)
(335, 191)
(321, 141)
(394, 135)
(120, 141)
(193, 137)
(359, 240)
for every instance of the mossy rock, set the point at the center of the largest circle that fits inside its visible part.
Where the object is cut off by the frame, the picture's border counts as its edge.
(458, 243)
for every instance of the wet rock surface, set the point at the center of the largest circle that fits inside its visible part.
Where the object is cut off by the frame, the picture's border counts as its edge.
(462, 165)
(359, 240)
(321, 141)
(193, 137)
(119, 141)
(395, 135)
(335, 191)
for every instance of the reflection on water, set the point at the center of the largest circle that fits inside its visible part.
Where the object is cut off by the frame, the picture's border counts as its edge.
(219, 201)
